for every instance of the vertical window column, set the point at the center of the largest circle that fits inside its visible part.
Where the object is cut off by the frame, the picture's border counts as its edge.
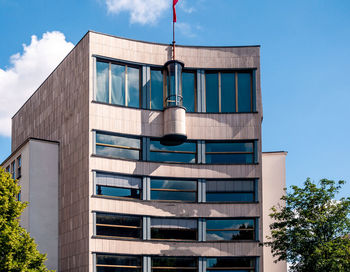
(200, 91)
(146, 85)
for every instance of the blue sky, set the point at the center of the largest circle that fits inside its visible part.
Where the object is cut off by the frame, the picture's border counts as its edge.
(305, 60)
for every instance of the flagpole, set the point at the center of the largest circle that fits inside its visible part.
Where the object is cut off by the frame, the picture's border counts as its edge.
(173, 36)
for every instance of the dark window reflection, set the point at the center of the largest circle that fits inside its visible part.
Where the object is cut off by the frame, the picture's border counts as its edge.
(212, 92)
(182, 264)
(173, 229)
(228, 92)
(229, 152)
(231, 264)
(118, 225)
(230, 229)
(156, 90)
(230, 190)
(189, 90)
(115, 263)
(117, 146)
(177, 190)
(185, 153)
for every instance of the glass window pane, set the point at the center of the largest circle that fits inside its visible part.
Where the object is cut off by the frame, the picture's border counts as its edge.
(156, 90)
(188, 91)
(212, 92)
(229, 185)
(174, 229)
(230, 223)
(228, 95)
(172, 157)
(245, 264)
(102, 82)
(161, 262)
(133, 87)
(118, 84)
(187, 146)
(218, 235)
(117, 140)
(230, 197)
(244, 92)
(229, 147)
(177, 196)
(118, 180)
(174, 184)
(117, 152)
(118, 192)
(229, 158)
(118, 232)
(118, 260)
(116, 219)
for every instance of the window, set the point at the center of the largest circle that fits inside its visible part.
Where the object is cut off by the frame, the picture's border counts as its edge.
(118, 225)
(229, 91)
(118, 186)
(229, 152)
(118, 146)
(189, 90)
(230, 190)
(230, 229)
(13, 169)
(117, 84)
(179, 264)
(156, 90)
(185, 153)
(19, 167)
(229, 264)
(178, 190)
(173, 229)
(8, 169)
(115, 263)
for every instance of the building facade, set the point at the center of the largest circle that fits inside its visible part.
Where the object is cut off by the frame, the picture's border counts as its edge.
(130, 200)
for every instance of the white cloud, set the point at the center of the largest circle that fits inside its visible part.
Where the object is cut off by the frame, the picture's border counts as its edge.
(186, 7)
(187, 30)
(141, 11)
(27, 71)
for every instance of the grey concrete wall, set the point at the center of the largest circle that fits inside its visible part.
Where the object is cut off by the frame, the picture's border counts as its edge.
(274, 181)
(43, 198)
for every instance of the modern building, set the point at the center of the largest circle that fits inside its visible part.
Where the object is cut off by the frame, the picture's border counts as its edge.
(132, 161)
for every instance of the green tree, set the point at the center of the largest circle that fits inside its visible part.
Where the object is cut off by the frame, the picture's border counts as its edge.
(311, 232)
(18, 250)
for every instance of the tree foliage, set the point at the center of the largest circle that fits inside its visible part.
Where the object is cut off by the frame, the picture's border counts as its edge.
(18, 250)
(311, 232)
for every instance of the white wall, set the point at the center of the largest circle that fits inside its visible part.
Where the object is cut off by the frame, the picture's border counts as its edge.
(43, 198)
(273, 183)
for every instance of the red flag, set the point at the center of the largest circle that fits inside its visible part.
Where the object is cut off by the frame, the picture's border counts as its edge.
(174, 11)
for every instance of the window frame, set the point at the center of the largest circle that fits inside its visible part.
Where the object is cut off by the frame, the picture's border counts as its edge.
(174, 239)
(174, 190)
(194, 72)
(19, 166)
(139, 267)
(228, 268)
(117, 175)
(236, 95)
(173, 151)
(253, 230)
(253, 192)
(120, 147)
(253, 152)
(13, 169)
(140, 227)
(175, 268)
(126, 88)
